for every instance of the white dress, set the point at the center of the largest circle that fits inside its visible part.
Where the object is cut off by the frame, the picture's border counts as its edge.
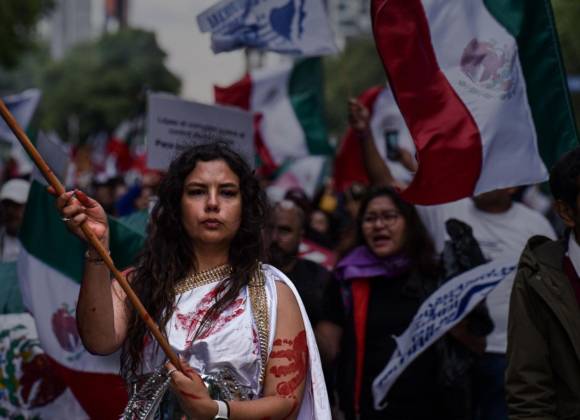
(231, 343)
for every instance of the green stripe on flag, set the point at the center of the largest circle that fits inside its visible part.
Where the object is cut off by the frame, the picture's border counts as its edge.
(46, 237)
(531, 23)
(307, 99)
(126, 242)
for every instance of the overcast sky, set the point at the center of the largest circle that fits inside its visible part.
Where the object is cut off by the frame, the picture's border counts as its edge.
(189, 52)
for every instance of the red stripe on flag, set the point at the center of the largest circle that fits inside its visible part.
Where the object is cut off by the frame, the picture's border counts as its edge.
(268, 165)
(238, 95)
(349, 164)
(102, 396)
(448, 142)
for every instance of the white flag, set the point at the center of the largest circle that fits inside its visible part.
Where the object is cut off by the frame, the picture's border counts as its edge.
(296, 27)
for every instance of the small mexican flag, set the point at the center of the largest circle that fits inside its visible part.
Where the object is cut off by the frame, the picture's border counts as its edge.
(288, 103)
(307, 173)
(389, 133)
(481, 86)
(50, 270)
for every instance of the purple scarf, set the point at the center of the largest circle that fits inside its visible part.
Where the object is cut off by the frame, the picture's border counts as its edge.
(362, 263)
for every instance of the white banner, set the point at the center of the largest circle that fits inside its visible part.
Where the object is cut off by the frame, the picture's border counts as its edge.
(22, 107)
(298, 27)
(174, 124)
(445, 308)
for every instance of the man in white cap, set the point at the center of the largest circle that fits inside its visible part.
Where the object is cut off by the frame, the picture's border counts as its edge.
(13, 197)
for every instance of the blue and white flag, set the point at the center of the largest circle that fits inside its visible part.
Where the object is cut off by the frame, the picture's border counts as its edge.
(444, 309)
(296, 27)
(22, 107)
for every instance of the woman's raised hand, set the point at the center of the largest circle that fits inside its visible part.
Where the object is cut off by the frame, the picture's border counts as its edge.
(76, 207)
(358, 116)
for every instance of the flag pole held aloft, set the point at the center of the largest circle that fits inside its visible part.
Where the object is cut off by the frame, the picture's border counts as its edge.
(91, 238)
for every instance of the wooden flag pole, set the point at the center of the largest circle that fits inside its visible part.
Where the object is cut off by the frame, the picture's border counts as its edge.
(91, 238)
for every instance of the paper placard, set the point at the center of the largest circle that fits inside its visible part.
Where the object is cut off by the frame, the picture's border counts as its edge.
(174, 124)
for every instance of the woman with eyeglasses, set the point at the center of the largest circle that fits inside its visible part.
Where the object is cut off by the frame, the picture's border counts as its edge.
(380, 284)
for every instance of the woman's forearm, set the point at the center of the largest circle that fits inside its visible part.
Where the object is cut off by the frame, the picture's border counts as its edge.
(267, 408)
(100, 310)
(270, 408)
(377, 169)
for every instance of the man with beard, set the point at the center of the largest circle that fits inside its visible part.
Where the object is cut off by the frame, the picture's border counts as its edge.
(13, 197)
(286, 231)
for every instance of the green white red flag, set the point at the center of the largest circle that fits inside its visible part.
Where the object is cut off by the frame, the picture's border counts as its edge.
(389, 130)
(307, 173)
(288, 104)
(481, 86)
(50, 270)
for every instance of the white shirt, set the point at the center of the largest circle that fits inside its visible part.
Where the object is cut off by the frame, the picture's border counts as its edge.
(497, 234)
(232, 341)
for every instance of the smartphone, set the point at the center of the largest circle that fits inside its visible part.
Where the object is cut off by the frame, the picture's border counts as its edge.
(392, 144)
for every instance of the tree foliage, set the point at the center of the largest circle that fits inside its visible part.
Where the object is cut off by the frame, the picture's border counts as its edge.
(28, 73)
(18, 22)
(103, 83)
(567, 14)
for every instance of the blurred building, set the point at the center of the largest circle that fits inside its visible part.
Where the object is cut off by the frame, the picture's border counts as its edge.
(69, 24)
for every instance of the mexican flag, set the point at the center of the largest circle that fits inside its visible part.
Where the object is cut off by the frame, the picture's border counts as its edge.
(288, 104)
(50, 270)
(482, 89)
(29, 388)
(389, 131)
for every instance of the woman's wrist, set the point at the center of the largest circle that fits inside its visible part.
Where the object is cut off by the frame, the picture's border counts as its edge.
(92, 256)
(207, 409)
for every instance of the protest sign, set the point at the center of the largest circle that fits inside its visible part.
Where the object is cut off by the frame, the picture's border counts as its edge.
(173, 124)
(445, 308)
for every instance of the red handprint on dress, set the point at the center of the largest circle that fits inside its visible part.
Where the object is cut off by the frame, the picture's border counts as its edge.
(190, 321)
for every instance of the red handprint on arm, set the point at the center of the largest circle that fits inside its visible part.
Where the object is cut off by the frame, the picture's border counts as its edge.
(294, 352)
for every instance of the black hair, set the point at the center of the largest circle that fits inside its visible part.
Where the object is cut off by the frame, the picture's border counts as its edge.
(564, 178)
(417, 245)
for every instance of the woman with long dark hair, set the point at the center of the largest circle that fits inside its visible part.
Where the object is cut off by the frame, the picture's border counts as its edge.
(239, 326)
(379, 285)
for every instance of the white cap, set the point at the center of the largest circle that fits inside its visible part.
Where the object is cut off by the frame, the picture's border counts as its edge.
(15, 190)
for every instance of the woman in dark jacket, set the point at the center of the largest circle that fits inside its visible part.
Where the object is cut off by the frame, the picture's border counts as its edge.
(379, 287)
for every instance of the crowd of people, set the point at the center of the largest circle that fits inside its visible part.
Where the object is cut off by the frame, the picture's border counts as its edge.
(389, 256)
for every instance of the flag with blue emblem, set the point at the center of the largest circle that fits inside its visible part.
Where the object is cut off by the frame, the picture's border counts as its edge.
(296, 27)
